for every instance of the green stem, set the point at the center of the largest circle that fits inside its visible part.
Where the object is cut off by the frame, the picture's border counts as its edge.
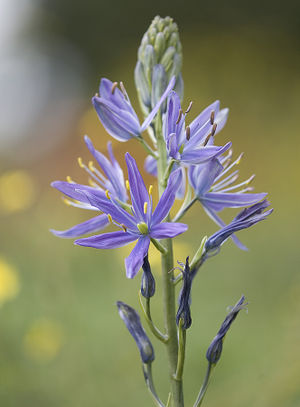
(204, 386)
(181, 351)
(147, 370)
(147, 147)
(159, 246)
(183, 210)
(147, 314)
(167, 281)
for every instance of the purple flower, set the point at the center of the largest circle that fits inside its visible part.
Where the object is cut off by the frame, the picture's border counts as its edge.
(148, 281)
(141, 224)
(111, 179)
(184, 300)
(133, 324)
(214, 351)
(216, 192)
(116, 113)
(246, 218)
(190, 145)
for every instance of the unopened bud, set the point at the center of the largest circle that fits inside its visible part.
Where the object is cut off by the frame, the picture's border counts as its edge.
(133, 323)
(148, 281)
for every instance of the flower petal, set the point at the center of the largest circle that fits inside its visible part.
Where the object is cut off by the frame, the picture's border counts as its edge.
(135, 260)
(107, 240)
(204, 117)
(167, 199)
(202, 176)
(138, 190)
(73, 190)
(202, 154)
(151, 116)
(92, 225)
(116, 97)
(167, 229)
(150, 165)
(218, 201)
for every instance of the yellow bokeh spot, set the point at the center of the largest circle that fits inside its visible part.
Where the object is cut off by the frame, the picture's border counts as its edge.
(17, 191)
(9, 281)
(43, 340)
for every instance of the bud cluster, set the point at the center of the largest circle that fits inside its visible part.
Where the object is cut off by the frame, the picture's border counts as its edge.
(159, 58)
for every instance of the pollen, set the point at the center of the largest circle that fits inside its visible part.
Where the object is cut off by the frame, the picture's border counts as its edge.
(150, 189)
(66, 201)
(92, 183)
(91, 165)
(127, 185)
(69, 179)
(113, 88)
(81, 165)
(145, 207)
(109, 218)
(107, 194)
(239, 159)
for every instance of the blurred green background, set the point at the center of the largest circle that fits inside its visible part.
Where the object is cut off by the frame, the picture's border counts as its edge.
(61, 340)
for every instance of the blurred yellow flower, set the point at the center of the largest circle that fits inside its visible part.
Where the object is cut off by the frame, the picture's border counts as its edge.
(9, 281)
(43, 340)
(17, 191)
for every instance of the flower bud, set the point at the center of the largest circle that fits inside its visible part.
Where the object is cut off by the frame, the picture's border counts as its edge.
(184, 300)
(148, 282)
(161, 46)
(133, 323)
(214, 351)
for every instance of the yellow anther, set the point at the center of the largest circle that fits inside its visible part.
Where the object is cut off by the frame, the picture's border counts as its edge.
(66, 201)
(92, 183)
(150, 189)
(109, 218)
(107, 194)
(145, 207)
(81, 165)
(91, 165)
(124, 227)
(239, 159)
(69, 179)
(127, 185)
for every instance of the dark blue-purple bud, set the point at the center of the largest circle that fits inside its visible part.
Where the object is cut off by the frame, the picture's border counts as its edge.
(214, 351)
(184, 300)
(133, 323)
(148, 281)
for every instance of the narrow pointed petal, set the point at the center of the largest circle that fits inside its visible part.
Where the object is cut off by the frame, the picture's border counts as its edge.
(138, 190)
(116, 97)
(135, 260)
(92, 225)
(73, 190)
(157, 107)
(204, 116)
(168, 197)
(220, 223)
(107, 240)
(221, 119)
(172, 114)
(219, 200)
(167, 229)
(202, 154)
(202, 177)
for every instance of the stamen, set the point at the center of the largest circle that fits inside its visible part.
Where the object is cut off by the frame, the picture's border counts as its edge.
(123, 90)
(92, 183)
(107, 194)
(66, 201)
(214, 129)
(189, 107)
(150, 189)
(81, 165)
(97, 94)
(109, 218)
(91, 165)
(123, 227)
(207, 139)
(239, 158)
(179, 116)
(69, 179)
(251, 179)
(113, 88)
(212, 117)
(127, 185)
(188, 133)
(145, 207)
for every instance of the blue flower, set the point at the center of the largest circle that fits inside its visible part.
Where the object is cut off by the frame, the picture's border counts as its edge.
(246, 218)
(216, 192)
(116, 113)
(133, 323)
(148, 281)
(141, 224)
(112, 181)
(214, 351)
(193, 144)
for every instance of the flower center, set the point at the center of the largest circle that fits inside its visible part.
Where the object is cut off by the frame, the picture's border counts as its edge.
(143, 228)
